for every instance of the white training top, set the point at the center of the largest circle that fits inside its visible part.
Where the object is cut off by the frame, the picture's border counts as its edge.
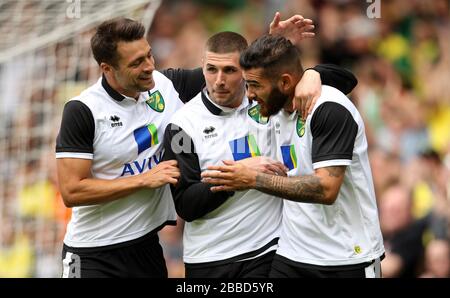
(248, 221)
(127, 140)
(347, 232)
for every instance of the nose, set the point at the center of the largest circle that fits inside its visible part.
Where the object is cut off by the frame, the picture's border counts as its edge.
(149, 65)
(250, 94)
(220, 80)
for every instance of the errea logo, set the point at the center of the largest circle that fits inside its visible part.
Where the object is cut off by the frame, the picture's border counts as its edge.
(115, 121)
(209, 132)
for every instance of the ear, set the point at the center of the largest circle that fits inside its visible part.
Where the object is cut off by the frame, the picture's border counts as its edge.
(203, 65)
(286, 82)
(106, 68)
(205, 61)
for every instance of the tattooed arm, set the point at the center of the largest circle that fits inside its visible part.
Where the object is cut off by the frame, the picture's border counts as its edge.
(321, 188)
(334, 132)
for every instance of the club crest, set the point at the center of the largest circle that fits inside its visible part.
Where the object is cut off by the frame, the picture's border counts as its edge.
(156, 101)
(255, 114)
(300, 127)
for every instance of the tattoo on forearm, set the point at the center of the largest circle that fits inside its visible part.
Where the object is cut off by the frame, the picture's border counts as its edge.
(300, 189)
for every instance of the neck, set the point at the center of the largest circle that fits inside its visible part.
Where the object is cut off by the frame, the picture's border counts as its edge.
(116, 86)
(237, 101)
(288, 106)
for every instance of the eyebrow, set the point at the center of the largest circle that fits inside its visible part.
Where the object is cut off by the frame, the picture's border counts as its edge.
(252, 82)
(226, 66)
(140, 57)
(136, 60)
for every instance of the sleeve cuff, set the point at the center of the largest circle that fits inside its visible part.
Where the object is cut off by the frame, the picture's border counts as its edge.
(74, 155)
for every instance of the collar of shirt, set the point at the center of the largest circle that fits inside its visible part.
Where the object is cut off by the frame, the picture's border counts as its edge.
(221, 110)
(118, 96)
(289, 115)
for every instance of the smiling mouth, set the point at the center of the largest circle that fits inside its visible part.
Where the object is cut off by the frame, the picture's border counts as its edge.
(221, 92)
(149, 80)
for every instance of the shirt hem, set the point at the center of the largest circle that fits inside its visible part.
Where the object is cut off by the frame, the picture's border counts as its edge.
(321, 262)
(113, 243)
(242, 256)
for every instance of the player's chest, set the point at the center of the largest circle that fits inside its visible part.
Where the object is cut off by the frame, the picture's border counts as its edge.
(122, 134)
(293, 142)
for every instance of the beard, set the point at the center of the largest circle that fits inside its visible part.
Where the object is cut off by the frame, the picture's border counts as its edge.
(275, 102)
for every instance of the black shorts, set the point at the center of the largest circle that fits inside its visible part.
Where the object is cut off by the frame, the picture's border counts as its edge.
(142, 257)
(254, 268)
(286, 268)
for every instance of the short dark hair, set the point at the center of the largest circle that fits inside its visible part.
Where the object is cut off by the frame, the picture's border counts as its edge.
(226, 42)
(274, 54)
(109, 33)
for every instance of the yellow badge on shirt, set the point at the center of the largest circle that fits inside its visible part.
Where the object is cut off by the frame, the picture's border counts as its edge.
(156, 101)
(255, 114)
(300, 127)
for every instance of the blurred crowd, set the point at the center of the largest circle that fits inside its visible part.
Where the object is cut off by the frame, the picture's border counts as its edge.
(402, 63)
(401, 57)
